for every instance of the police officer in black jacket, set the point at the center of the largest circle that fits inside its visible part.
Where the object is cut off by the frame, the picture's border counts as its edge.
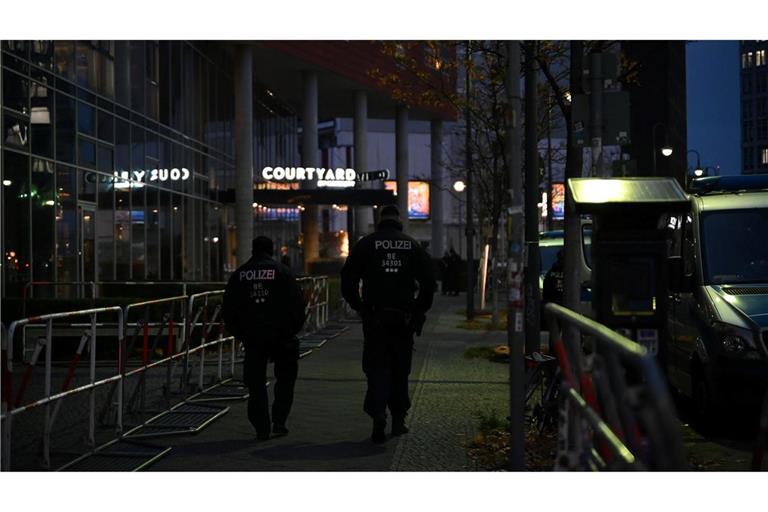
(264, 308)
(398, 287)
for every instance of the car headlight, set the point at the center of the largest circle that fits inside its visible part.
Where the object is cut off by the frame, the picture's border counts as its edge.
(735, 341)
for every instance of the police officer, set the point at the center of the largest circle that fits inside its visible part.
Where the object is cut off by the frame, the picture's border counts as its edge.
(265, 309)
(398, 288)
(553, 281)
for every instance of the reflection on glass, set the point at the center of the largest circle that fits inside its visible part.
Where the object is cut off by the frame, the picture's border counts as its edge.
(153, 232)
(104, 231)
(164, 227)
(86, 153)
(16, 131)
(41, 119)
(43, 218)
(123, 234)
(64, 52)
(16, 196)
(66, 224)
(42, 54)
(138, 250)
(65, 128)
(15, 92)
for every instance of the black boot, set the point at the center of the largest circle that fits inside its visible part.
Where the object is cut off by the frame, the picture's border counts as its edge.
(279, 429)
(379, 435)
(398, 425)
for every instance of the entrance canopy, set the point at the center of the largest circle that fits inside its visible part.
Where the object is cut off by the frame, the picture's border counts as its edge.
(318, 196)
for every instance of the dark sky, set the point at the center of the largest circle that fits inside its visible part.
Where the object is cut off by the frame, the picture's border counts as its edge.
(712, 69)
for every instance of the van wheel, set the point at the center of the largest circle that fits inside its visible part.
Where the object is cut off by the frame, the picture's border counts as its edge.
(704, 405)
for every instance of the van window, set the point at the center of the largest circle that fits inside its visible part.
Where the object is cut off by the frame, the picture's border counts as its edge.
(734, 248)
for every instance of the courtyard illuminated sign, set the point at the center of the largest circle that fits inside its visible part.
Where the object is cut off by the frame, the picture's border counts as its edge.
(137, 178)
(325, 177)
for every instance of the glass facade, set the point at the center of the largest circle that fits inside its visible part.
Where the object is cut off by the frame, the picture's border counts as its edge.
(115, 156)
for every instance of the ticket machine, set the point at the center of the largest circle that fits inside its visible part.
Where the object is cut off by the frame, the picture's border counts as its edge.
(629, 250)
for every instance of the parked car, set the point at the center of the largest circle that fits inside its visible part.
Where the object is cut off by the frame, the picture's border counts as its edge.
(718, 281)
(550, 242)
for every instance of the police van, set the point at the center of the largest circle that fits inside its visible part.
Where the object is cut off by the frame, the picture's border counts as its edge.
(717, 321)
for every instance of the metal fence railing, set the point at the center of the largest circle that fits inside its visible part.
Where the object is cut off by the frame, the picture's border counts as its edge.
(204, 318)
(316, 294)
(46, 398)
(616, 411)
(139, 379)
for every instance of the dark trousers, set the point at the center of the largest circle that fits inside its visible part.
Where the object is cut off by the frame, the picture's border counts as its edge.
(387, 364)
(286, 361)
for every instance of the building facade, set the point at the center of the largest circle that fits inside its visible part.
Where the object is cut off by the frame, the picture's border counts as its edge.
(122, 160)
(754, 107)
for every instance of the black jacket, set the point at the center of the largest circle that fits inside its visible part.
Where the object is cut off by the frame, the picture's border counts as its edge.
(392, 266)
(263, 302)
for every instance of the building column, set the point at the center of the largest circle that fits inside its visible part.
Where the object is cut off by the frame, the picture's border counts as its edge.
(244, 152)
(436, 188)
(401, 162)
(363, 215)
(309, 217)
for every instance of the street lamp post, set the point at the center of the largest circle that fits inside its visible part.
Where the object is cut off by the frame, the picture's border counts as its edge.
(666, 149)
(697, 171)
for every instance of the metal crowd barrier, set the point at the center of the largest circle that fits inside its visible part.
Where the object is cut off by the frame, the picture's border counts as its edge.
(316, 293)
(163, 317)
(51, 401)
(174, 329)
(199, 313)
(616, 412)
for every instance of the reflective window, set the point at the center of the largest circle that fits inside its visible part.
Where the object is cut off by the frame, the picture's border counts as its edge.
(122, 145)
(66, 224)
(20, 48)
(86, 119)
(16, 130)
(137, 74)
(106, 130)
(41, 119)
(64, 58)
(153, 233)
(16, 197)
(137, 148)
(87, 186)
(105, 219)
(164, 226)
(15, 92)
(65, 128)
(733, 246)
(86, 152)
(138, 252)
(105, 163)
(123, 234)
(43, 202)
(177, 219)
(41, 53)
(122, 72)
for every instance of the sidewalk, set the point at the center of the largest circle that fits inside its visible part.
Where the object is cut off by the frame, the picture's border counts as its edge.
(329, 430)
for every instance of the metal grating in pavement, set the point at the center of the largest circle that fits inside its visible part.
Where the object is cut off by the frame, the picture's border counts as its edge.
(118, 456)
(313, 342)
(227, 390)
(184, 418)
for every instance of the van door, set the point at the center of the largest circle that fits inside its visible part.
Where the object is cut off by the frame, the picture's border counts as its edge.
(684, 305)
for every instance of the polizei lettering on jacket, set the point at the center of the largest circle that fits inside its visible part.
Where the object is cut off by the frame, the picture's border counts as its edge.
(403, 245)
(264, 274)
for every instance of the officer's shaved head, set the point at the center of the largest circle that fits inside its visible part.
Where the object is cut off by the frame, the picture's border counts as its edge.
(262, 245)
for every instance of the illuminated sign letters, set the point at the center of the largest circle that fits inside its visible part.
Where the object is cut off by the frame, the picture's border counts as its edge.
(138, 177)
(338, 177)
